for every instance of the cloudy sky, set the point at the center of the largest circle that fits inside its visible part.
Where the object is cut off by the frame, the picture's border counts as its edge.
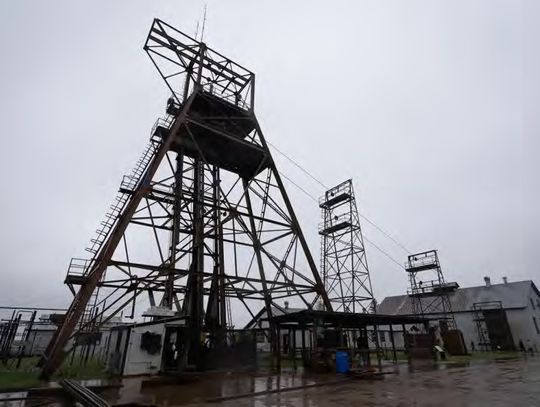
(430, 106)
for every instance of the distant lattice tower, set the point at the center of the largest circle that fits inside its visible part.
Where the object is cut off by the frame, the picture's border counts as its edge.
(202, 221)
(343, 256)
(428, 290)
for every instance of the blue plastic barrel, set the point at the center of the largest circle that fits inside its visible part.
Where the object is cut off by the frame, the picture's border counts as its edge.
(342, 361)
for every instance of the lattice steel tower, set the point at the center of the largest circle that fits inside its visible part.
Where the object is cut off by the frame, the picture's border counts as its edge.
(203, 227)
(343, 259)
(428, 290)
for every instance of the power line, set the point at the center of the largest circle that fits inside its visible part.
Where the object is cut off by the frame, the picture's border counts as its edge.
(386, 254)
(298, 166)
(299, 187)
(383, 252)
(394, 240)
(384, 233)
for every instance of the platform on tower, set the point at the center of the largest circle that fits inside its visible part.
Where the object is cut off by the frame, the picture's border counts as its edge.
(223, 134)
(336, 195)
(336, 224)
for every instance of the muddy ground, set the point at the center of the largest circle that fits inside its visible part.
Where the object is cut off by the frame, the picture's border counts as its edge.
(481, 383)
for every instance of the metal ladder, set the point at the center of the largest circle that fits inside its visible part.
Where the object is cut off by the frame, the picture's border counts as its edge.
(80, 267)
(228, 313)
(129, 184)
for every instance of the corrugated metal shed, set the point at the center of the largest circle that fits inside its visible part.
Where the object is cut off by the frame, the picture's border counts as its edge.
(512, 295)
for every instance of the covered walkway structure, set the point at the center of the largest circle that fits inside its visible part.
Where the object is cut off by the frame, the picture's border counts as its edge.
(319, 334)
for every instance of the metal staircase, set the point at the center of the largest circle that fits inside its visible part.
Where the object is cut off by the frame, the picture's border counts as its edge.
(85, 323)
(479, 309)
(229, 323)
(78, 268)
(128, 184)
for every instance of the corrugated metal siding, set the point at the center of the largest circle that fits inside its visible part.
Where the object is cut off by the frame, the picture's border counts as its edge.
(512, 295)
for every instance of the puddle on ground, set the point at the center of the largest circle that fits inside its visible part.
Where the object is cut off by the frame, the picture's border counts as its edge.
(424, 383)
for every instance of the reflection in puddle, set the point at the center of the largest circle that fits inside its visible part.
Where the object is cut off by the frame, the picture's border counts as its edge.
(423, 383)
(494, 383)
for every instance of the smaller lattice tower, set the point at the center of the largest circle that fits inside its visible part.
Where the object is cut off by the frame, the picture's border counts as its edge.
(343, 256)
(428, 290)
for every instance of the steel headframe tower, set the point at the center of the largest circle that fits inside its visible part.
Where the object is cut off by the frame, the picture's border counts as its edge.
(428, 290)
(212, 220)
(343, 259)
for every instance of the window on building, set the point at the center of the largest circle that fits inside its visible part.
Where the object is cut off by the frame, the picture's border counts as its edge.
(260, 337)
(538, 302)
(382, 336)
(532, 303)
(536, 325)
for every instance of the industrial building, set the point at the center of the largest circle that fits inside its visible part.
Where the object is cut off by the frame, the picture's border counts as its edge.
(491, 316)
(26, 331)
(136, 349)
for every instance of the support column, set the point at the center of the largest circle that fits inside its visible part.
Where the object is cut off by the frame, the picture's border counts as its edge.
(194, 297)
(393, 343)
(304, 354)
(405, 346)
(168, 296)
(266, 294)
(293, 353)
(377, 346)
(278, 347)
(296, 226)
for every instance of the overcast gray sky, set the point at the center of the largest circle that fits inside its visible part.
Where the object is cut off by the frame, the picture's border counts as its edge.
(430, 106)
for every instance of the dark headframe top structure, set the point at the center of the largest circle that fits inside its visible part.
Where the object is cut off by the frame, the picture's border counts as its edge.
(184, 63)
(203, 226)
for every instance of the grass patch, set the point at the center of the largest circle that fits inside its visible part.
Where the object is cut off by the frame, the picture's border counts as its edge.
(476, 356)
(18, 380)
(93, 369)
(26, 375)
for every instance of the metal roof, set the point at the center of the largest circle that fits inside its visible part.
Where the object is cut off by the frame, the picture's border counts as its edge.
(260, 316)
(126, 325)
(512, 295)
(343, 319)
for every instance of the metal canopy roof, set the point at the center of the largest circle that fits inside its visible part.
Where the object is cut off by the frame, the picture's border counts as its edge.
(343, 319)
